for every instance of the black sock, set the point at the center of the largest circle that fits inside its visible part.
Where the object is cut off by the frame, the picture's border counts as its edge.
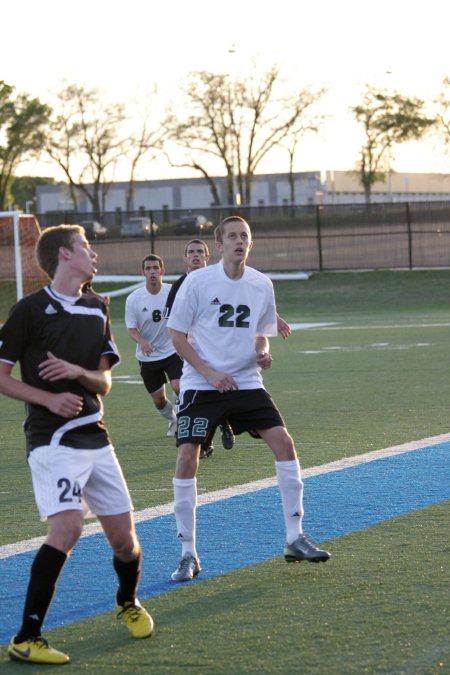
(45, 571)
(128, 573)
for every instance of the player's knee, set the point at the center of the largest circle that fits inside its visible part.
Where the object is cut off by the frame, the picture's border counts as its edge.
(283, 445)
(159, 400)
(64, 535)
(74, 533)
(187, 460)
(126, 548)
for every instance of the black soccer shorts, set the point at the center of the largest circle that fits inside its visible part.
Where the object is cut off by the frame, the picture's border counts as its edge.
(156, 373)
(200, 412)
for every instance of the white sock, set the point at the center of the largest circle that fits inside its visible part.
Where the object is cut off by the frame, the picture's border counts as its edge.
(185, 493)
(291, 489)
(168, 411)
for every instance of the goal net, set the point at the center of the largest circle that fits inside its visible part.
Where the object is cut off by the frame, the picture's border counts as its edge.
(19, 271)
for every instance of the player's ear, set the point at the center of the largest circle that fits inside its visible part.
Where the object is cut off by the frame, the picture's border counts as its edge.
(65, 253)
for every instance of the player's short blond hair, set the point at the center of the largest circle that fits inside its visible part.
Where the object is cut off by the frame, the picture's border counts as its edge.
(219, 230)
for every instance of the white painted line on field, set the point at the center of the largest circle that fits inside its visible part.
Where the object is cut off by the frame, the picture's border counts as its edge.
(236, 490)
(376, 327)
(305, 326)
(362, 348)
(337, 325)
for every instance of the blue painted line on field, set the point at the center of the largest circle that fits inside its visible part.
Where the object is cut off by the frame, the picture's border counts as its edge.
(234, 533)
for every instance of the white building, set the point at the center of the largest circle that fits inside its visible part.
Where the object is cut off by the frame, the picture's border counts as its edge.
(314, 187)
(343, 187)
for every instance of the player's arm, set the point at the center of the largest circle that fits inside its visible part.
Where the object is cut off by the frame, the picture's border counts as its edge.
(283, 327)
(96, 381)
(221, 381)
(145, 345)
(263, 358)
(64, 404)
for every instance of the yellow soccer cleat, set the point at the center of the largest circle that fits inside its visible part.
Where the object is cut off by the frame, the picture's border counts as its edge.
(138, 620)
(36, 650)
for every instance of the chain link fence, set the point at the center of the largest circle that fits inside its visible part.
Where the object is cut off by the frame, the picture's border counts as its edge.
(287, 238)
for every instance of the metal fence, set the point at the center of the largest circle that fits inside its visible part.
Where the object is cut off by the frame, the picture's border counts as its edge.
(289, 238)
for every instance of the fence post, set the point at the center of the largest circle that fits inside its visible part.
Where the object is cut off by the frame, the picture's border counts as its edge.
(408, 227)
(319, 237)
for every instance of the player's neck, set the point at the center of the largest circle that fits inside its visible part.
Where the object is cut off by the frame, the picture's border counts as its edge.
(154, 289)
(235, 269)
(65, 285)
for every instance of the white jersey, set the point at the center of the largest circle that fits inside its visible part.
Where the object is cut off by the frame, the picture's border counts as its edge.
(223, 317)
(144, 311)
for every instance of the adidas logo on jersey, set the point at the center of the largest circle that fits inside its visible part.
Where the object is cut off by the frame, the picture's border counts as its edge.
(50, 310)
(144, 309)
(216, 301)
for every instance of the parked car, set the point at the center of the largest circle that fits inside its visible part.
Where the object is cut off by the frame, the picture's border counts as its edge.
(138, 227)
(193, 225)
(94, 229)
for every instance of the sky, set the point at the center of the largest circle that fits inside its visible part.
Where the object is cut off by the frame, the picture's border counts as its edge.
(143, 49)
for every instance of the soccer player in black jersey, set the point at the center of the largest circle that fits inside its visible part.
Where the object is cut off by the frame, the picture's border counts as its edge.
(62, 339)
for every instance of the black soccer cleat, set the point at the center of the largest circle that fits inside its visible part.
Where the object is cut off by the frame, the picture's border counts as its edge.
(206, 451)
(227, 436)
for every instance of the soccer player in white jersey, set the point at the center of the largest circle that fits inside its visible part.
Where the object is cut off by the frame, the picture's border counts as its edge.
(62, 339)
(158, 360)
(229, 311)
(196, 256)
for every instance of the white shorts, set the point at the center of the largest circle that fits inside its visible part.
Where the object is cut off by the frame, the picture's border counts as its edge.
(87, 480)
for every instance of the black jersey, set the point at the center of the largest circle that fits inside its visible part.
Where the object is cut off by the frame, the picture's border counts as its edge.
(172, 293)
(76, 331)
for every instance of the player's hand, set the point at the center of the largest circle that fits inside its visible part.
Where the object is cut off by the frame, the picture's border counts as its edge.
(264, 360)
(283, 327)
(223, 382)
(66, 404)
(53, 369)
(146, 347)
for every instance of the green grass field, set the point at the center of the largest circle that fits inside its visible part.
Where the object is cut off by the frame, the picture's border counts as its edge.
(378, 377)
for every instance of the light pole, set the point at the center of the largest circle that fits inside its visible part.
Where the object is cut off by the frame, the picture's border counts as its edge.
(236, 196)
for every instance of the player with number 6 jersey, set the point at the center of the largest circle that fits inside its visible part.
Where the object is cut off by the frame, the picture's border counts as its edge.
(156, 355)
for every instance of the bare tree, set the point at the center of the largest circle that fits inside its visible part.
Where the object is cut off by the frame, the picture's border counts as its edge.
(387, 119)
(292, 141)
(238, 122)
(149, 139)
(87, 143)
